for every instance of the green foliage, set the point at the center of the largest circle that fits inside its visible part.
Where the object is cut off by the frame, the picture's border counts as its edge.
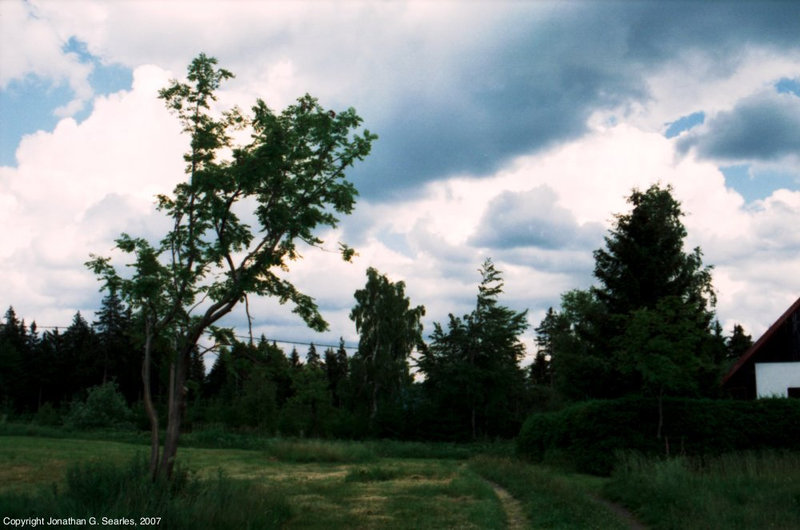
(292, 176)
(644, 260)
(389, 330)
(573, 338)
(590, 434)
(649, 326)
(737, 344)
(309, 411)
(734, 490)
(472, 374)
(103, 408)
(48, 415)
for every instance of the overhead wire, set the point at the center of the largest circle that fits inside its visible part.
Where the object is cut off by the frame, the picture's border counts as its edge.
(247, 338)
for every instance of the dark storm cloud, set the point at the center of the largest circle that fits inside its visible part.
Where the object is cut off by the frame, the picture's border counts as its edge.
(542, 76)
(763, 128)
(532, 219)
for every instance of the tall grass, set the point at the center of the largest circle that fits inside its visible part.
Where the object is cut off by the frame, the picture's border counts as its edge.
(551, 499)
(101, 489)
(727, 492)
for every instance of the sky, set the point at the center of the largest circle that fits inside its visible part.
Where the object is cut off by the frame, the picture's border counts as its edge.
(508, 130)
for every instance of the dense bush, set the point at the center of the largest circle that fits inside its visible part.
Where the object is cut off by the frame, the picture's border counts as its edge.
(589, 435)
(104, 407)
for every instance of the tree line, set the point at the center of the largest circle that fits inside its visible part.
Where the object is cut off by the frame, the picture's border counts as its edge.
(469, 382)
(647, 327)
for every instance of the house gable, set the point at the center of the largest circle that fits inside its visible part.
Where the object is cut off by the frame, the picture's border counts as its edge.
(779, 344)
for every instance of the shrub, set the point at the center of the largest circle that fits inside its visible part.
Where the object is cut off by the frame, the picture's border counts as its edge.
(590, 434)
(48, 415)
(104, 407)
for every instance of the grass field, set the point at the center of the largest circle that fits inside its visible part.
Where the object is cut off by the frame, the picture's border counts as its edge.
(295, 484)
(313, 484)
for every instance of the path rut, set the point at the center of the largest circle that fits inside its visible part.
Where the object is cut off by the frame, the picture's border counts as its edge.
(515, 515)
(621, 512)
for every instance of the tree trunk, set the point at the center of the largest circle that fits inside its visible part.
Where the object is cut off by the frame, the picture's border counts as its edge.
(148, 400)
(660, 413)
(472, 421)
(373, 413)
(177, 407)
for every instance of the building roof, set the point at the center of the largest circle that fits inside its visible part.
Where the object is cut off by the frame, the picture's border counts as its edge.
(756, 347)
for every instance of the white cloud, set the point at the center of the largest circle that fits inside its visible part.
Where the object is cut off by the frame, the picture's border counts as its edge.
(31, 47)
(76, 187)
(702, 80)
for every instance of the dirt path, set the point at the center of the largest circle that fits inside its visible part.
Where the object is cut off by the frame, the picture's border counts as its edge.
(621, 512)
(515, 516)
(516, 519)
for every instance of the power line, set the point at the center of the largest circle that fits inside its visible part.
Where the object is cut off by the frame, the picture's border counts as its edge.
(247, 337)
(315, 344)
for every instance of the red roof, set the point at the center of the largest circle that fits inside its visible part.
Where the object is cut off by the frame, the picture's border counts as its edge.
(760, 342)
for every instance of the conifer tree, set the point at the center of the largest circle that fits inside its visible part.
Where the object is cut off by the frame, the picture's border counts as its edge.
(472, 371)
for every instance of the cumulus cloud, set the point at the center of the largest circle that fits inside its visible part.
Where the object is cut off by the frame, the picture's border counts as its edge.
(513, 131)
(76, 188)
(532, 218)
(764, 127)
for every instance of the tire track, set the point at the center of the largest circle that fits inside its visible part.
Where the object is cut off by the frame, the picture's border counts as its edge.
(515, 515)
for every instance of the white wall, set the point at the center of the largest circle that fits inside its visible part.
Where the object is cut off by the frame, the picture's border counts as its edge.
(773, 379)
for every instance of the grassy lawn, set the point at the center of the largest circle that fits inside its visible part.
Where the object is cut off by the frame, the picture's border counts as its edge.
(327, 485)
(28, 462)
(551, 499)
(296, 484)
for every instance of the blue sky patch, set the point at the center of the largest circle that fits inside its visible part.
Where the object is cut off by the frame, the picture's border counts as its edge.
(27, 105)
(757, 185)
(788, 86)
(684, 124)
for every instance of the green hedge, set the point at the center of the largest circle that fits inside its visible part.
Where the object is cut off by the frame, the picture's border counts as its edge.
(590, 434)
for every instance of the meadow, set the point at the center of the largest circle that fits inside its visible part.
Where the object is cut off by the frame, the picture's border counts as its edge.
(311, 484)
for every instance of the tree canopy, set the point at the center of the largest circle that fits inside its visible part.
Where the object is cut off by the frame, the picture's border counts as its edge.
(389, 330)
(219, 250)
(472, 372)
(649, 324)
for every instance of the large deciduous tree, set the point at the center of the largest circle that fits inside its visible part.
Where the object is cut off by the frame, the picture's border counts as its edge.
(389, 329)
(236, 224)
